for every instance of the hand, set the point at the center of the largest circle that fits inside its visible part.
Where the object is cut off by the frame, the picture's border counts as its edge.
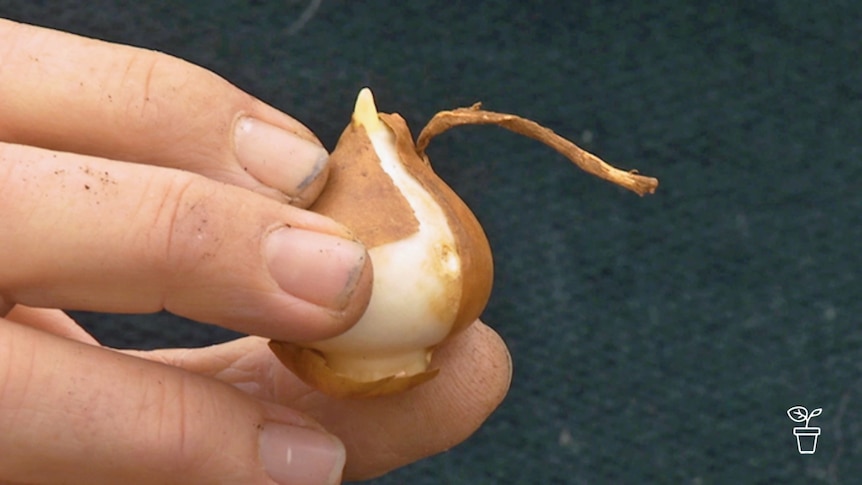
(131, 181)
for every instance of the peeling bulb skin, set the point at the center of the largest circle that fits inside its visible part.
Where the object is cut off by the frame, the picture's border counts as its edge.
(390, 199)
(432, 263)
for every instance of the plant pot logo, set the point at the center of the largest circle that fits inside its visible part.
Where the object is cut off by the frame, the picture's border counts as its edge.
(806, 436)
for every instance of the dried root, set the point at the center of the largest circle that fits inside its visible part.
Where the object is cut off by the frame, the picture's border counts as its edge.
(588, 162)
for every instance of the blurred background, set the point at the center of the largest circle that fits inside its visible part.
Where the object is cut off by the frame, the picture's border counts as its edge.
(655, 340)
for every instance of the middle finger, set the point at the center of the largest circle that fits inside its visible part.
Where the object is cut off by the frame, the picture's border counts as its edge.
(83, 233)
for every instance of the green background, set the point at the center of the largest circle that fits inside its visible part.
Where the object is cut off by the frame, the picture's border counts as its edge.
(657, 339)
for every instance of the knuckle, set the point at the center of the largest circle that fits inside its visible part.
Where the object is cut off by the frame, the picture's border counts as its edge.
(17, 364)
(149, 86)
(173, 425)
(137, 83)
(184, 238)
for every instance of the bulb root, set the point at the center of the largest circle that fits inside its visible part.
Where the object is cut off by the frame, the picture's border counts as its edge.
(586, 161)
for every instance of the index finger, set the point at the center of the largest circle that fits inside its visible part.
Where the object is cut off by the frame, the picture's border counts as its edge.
(70, 93)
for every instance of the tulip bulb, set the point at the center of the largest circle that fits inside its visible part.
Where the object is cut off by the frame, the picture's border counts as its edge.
(431, 260)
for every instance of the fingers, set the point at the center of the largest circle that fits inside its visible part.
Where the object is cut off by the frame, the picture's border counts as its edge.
(384, 433)
(80, 414)
(50, 320)
(70, 93)
(86, 233)
(5, 306)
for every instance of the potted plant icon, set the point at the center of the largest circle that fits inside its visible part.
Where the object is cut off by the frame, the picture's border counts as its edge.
(806, 437)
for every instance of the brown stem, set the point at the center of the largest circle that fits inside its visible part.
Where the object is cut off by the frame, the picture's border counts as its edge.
(588, 162)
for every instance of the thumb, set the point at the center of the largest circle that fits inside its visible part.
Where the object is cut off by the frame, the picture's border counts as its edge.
(76, 413)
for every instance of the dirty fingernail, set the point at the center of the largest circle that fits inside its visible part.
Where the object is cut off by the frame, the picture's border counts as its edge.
(318, 268)
(278, 158)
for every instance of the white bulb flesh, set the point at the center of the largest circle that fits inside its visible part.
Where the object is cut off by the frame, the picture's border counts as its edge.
(417, 280)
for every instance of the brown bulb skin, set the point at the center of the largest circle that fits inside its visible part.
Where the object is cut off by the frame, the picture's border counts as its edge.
(477, 265)
(362, 197)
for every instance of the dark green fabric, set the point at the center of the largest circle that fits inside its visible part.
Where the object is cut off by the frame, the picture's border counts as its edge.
(657, 339)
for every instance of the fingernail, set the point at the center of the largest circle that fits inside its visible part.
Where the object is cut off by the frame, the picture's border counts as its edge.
(301, 456)
(315, 267)
(277, 157)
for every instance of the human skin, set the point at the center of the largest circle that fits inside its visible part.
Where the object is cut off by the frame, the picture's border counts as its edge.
(132, 181)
